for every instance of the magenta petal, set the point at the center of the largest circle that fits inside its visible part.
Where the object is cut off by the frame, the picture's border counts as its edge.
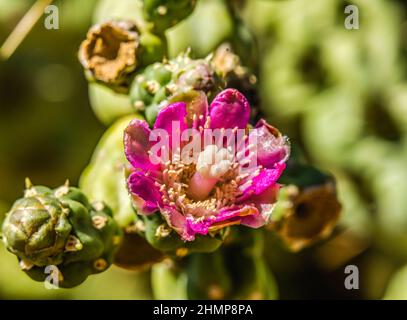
(261, 183)
(146, 195)
(171, 117)
(223, 218)
(272, 146)
(197, 110)
(229, 109)
(196, 107)
(255, 221)
(177, 221)
(137, 145)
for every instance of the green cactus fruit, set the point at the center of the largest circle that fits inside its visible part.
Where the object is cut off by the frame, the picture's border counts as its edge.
(160, 82)
(104, 178)
(242, 37)
(113, 51)
(245, 263)
(208, 26)
(108, 105)
(169, 281)
(165, 14)
(106, 10)
(207, 276)
(59, 229)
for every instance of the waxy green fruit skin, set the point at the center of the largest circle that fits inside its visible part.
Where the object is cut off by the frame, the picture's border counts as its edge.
(61, 229)
(165, 14)
(160, 83)
(104, 177)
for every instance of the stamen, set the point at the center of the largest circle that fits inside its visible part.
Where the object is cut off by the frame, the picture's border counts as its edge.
(212, 164)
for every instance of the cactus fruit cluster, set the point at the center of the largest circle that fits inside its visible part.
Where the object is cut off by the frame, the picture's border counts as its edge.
(197, 225)
(169, 81)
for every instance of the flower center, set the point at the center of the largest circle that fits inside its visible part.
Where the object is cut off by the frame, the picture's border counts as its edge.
(201, 188)
(212, 164)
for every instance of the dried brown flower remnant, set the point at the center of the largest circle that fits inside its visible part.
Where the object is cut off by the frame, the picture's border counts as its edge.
(308, 215)
(225, 61)
(109, 53)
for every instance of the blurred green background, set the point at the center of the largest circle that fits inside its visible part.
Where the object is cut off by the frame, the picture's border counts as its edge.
(341, 95)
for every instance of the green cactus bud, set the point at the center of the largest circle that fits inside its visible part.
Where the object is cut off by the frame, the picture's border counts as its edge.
(60, 228)
(162, 82)
(114, 50)
(165, 14)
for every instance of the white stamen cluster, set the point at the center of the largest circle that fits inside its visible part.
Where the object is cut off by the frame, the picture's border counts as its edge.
(214, 162)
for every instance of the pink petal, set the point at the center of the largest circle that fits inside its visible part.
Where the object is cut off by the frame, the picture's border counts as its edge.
(177, 221)
(137, 145)
(172, 117)
(145, 194)
(226, 216)
(196, 107)
(272, 146)
(261, 183)
(229, 109)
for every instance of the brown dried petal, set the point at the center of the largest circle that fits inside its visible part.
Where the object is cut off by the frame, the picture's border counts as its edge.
(109, 51)
(311, 216)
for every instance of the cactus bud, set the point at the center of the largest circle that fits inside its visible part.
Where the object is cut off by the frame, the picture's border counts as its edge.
(160, 83)
(60, 228)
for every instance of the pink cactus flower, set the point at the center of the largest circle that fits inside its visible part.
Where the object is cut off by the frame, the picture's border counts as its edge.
(216, 188)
